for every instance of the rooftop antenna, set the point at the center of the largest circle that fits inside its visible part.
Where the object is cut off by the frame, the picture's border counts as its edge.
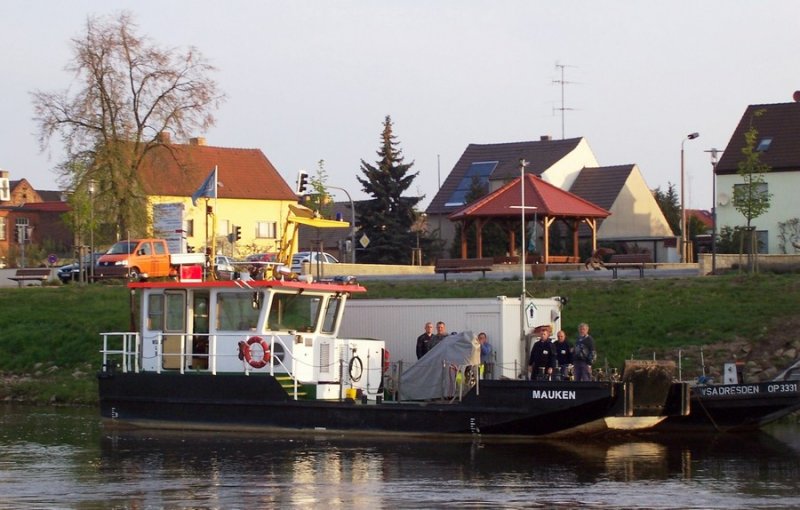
(562, 82)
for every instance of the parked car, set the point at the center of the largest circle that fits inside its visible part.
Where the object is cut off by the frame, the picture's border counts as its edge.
(224, 267)
(313, 257)
(72, 272)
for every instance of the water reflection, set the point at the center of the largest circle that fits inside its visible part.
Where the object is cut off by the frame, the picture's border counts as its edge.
(46, 453)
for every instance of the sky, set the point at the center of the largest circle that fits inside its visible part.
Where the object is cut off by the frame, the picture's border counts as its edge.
(313, 80)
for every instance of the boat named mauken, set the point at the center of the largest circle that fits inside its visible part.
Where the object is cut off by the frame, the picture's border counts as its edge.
(265, 354)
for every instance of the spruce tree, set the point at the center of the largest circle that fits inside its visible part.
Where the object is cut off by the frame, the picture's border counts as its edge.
(387, 217)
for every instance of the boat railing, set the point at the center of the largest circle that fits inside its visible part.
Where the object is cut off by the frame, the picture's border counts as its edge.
(123, 350)
(122, 347)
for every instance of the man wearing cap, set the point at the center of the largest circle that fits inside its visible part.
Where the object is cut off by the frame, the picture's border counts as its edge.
(542, 360)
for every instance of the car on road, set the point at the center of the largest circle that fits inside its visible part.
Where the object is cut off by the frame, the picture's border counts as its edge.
(224, 267)
(312, 257)
(72, 272)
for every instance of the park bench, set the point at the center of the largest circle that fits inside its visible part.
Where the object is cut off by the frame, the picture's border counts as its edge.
(38, 274)
(505, 259)
(628, 261)
(563, 259)
(445, 266)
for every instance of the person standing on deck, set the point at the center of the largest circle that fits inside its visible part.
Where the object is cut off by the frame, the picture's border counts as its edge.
(542, 360)
(441, 332)
(487, 366)
(584, 355)
(424, 340)
(563, 352)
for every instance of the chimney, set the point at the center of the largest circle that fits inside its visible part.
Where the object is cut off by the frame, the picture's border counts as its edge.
(163, 137)
(200, 140)
(545, 138)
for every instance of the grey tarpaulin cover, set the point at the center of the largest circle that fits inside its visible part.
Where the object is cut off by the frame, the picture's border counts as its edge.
(430, 377)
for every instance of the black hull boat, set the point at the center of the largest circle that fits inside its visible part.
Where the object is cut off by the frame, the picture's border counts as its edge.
(265, 355)
(259, 402)
(735, 407)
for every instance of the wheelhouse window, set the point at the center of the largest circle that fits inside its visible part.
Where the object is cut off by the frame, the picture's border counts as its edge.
(331, 312)
(155, 312)
(238, 311)
(175, 316)
(294, 312)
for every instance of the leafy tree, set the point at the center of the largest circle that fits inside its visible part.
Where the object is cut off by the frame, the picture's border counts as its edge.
(128, 92)
(387, 217)
(669, 203)
(319, 200)
(752, 198)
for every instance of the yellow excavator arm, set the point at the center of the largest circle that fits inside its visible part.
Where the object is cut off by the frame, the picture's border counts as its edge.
(299, 215)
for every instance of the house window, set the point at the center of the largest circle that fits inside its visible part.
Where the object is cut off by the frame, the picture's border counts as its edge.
(266, 229)
(23, 229)
(478, 172)
(188, 227)
(762, 240)
(3, 228)
(761, 189)
(764, 144)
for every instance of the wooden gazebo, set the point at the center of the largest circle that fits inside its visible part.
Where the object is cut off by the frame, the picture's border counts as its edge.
(544, 203)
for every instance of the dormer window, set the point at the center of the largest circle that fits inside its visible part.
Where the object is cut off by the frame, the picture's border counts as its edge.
(764, 144)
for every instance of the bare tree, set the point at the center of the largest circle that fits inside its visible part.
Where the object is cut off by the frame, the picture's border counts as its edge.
(129, 92)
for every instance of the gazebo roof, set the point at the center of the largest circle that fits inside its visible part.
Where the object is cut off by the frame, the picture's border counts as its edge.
(549, 200)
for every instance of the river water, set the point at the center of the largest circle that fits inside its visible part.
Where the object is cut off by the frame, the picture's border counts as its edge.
(63, 458)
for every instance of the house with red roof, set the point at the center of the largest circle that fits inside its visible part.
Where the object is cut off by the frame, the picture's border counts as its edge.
(31, 216)
(251, 194)
(778, 145)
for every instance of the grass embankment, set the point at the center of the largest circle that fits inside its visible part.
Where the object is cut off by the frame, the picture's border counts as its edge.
(49, 337)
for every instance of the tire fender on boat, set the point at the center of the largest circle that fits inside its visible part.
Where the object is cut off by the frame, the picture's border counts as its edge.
(248, 353)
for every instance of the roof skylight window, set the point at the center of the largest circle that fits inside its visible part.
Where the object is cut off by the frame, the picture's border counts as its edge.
(480, 172)
(764, 144)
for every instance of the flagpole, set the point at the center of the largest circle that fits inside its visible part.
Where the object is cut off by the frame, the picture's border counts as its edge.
(212, 276)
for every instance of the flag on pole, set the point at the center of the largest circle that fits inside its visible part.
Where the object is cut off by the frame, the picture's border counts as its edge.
(208, 188)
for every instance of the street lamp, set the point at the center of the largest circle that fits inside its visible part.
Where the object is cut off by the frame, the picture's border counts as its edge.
(684, 236)
(90, 188)
(714, 160)
(352, 224)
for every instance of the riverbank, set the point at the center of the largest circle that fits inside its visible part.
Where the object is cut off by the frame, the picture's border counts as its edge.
(50, 336)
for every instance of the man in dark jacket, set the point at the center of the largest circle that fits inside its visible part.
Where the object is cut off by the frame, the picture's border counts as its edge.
(543, 359)
(584, 354)
(563, 352)
(424, 340)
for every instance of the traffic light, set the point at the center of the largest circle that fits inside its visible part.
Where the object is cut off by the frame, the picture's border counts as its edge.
(237, 232)
(302, 182)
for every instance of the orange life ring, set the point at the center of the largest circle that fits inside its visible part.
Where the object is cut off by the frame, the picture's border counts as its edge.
(248, 354)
